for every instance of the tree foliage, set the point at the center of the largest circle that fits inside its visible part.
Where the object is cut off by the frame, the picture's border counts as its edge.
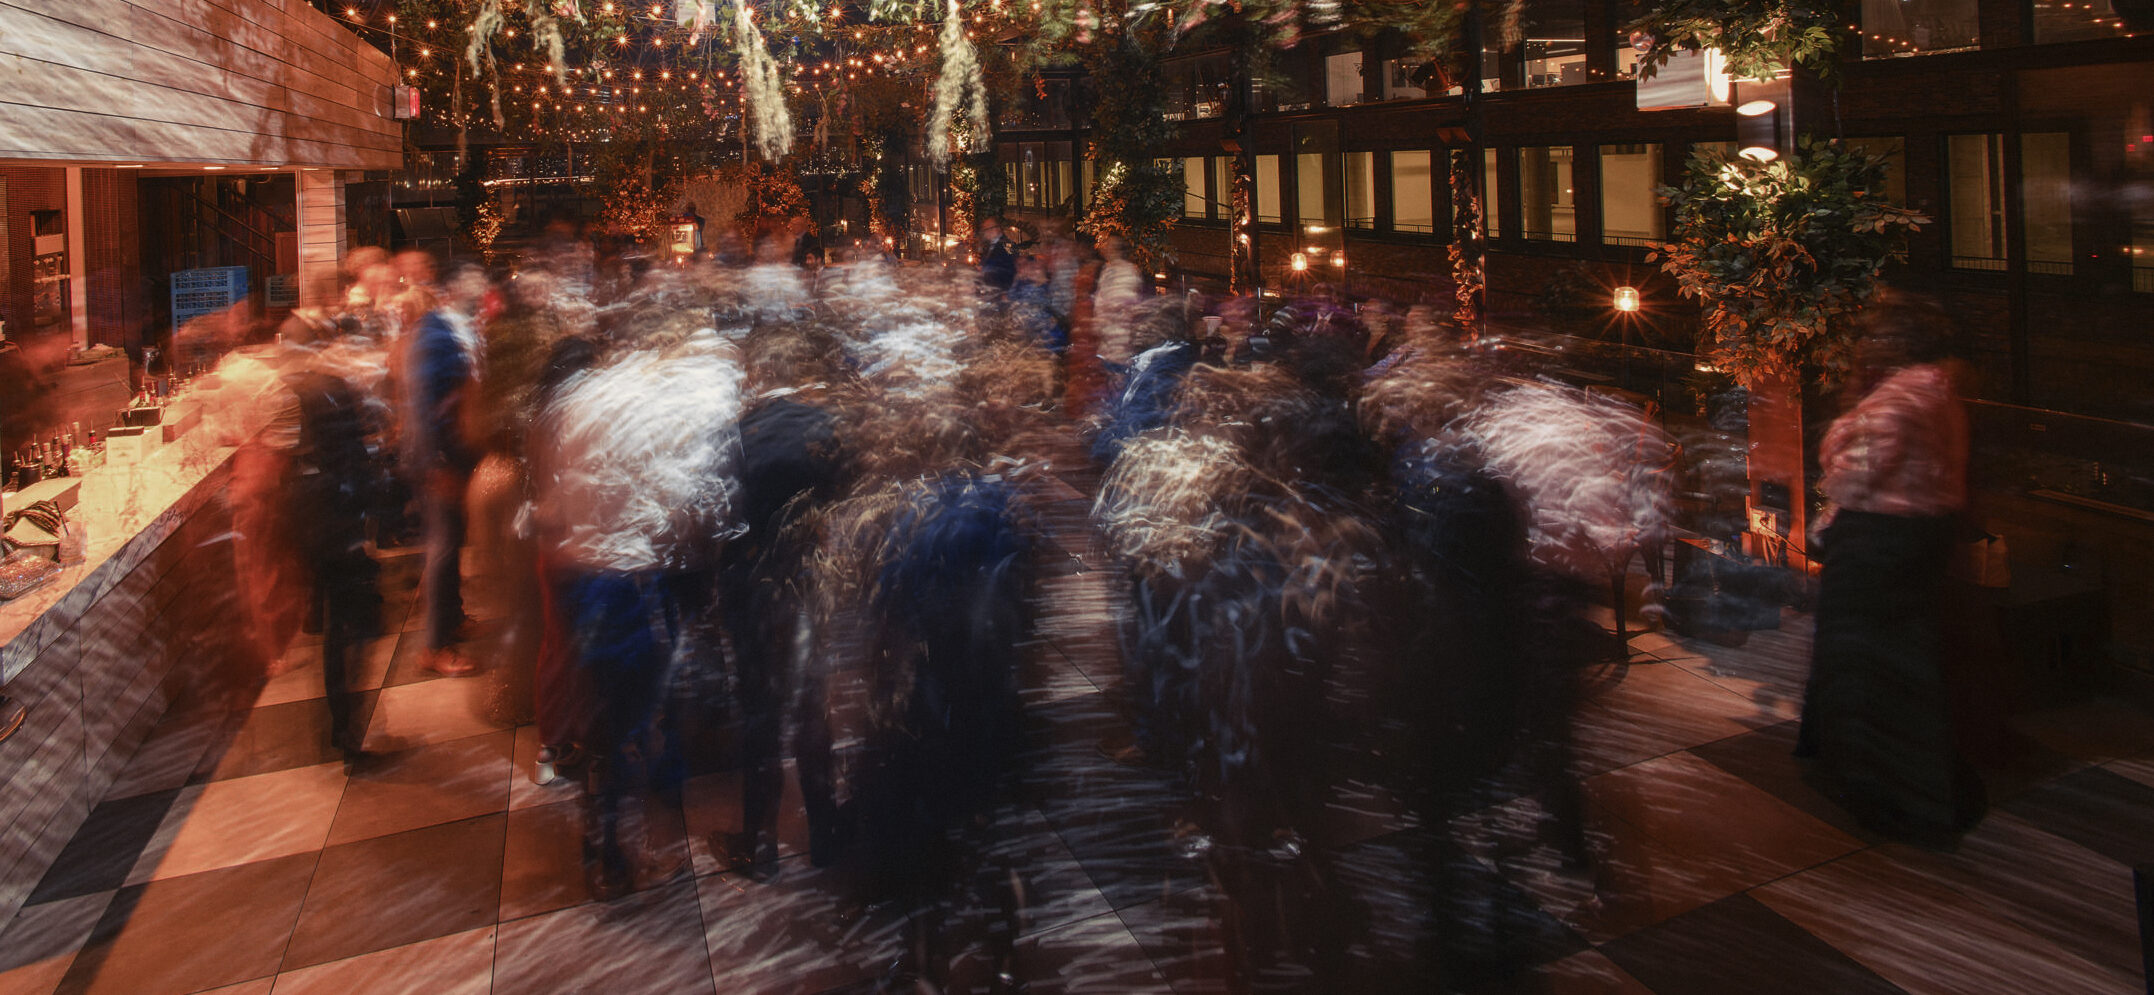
(1758, 37)
(1137, 195)
(1781, 254)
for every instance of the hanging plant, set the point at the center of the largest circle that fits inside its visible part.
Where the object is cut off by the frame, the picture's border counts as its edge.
(959, 84)
(1758, 39)
(1781, 254)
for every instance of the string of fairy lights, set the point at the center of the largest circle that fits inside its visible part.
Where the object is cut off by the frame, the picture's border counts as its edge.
(645, 69)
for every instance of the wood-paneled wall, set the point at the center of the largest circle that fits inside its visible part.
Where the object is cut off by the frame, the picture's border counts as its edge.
(269, 82)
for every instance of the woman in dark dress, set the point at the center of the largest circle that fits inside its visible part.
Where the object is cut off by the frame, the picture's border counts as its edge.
(1876, 714)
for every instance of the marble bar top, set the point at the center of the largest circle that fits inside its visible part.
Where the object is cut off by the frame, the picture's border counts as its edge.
(129, 509)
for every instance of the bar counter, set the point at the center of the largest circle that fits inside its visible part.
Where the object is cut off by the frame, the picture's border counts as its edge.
(100, 653)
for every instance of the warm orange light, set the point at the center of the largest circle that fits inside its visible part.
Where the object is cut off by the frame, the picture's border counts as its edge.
(1626, 299)
(1300, 262)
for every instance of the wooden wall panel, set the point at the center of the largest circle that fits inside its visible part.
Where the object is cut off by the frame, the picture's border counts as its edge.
(265, 82)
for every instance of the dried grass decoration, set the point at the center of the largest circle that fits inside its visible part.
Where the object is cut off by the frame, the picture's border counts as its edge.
(764, 85)
(960, 82)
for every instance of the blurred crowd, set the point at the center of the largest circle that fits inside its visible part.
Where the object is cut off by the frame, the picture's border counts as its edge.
(807, 497)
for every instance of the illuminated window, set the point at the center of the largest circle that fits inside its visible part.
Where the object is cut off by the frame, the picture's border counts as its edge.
(2045, 201)
(1342, 79)
(1554, 40)
(1268, 210)
(1413, 192)
(1309, 188)
(1491, 212)
(1974, 178)
(2083, 20)
(1630, 198)
(1193, 202)
(1360, 190)
(1912, 27)
(1545, 194)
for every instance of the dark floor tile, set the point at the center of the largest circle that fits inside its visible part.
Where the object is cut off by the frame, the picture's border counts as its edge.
(37, 948)
(193, 932)
(1766, 758)
(105, 848)
(2103, 811)
(797, 933)
(1095, 955)
(1738, 945)
(543, 860)
(648, 943)
(1182, 934)
(278, 737)
(459, 779)
(393, 890)
(1117, 820)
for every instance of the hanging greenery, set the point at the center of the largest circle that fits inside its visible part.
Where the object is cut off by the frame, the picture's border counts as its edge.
(1780, 254)
(1759, 38)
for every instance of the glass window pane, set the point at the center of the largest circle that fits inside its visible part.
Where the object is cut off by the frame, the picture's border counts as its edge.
(1630, 202)
(1342, 79)
(1309, 189)
(1895, 152)
(2143, 247)
(1413, 192)
(1361, 190)
(1223, 187)
(1544, 193)
(1033, 195)
(1491, 214)
(1061, 183)
(1911, 27)
(2078, 20)
(1554, 37)
(1973, 176)
(1409, 79)
(1193, 202)
(2045, 190)
(1268, 211)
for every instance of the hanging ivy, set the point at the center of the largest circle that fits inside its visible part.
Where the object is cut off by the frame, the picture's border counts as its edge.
(1781, 254)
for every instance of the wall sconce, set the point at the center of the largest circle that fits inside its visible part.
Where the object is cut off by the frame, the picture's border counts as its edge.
(1300, 262)
(1626, 299)
(1338, 259)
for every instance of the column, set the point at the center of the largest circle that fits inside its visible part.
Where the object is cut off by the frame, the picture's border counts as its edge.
(321, 236)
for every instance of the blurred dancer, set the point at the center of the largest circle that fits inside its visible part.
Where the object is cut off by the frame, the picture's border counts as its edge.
(998, 258)
(1114, 306)
(1875, 713)
(441, 375)
(790, 462)
(634, 471)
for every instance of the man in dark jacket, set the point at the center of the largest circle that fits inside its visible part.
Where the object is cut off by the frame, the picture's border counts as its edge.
(998, 258)
(440, 378)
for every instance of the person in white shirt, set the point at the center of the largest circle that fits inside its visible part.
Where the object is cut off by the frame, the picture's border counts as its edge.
(1114, 304)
